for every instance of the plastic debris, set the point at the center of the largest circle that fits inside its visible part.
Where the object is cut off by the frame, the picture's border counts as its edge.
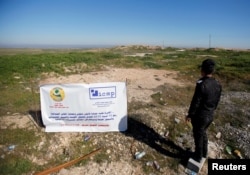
(139, 155)
(218, 135)
(166, 134)
(156, 165)
(228, 149)
(238, 154)
(11, 147)
(177, 120)
(190, 172)
(86, 138)
(150, 163)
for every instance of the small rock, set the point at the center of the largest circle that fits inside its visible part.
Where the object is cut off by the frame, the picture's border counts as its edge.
(63, 172)
(108, 151)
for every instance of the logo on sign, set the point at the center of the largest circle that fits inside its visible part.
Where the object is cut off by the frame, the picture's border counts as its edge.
(102, 92)
(57, 94)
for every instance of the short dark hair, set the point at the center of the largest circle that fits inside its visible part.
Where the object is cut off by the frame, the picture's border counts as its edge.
(207, 66)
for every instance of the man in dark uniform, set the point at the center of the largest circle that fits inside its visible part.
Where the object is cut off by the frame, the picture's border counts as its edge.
(205, 100)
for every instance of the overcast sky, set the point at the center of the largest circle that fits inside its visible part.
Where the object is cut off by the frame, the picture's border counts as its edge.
(176, 23)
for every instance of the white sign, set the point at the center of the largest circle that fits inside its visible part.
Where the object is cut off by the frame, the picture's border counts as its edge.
(98, 107)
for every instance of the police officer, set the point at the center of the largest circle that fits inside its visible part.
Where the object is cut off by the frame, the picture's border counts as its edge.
(205, 100)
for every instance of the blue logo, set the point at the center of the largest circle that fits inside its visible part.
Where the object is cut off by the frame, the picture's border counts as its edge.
(102, 92)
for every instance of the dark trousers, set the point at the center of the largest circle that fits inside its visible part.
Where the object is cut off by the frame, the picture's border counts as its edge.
(200, 125)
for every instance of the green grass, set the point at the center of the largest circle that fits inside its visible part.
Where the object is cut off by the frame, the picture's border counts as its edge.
(18, 137)
(15, 165)
(14, 162)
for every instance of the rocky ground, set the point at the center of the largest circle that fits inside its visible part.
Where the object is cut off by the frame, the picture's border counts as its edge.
(236, 125)
(158, 129)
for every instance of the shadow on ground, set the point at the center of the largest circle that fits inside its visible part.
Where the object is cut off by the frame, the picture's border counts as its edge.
(37, 117)
(149, 136)
(143, 133)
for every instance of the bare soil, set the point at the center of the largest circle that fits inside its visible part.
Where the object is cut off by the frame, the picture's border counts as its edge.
(140, 82)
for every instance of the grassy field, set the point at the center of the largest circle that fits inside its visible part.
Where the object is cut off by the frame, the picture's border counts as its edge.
(21, 70)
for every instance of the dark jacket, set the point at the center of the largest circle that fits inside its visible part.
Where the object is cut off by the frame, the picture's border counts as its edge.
(206, 98)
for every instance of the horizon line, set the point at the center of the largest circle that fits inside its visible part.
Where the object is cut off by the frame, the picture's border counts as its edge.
(89, 46)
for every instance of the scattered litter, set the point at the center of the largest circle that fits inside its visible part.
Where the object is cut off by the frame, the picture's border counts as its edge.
(156, 165)
(190, 172)
(139, 155)
(11, 147)
(177, 120)
(149, 163)
(153, 163)
(228, 149)
(238, 154)
(86, 138)
(218, 135)
(16, 77)
(166, 134)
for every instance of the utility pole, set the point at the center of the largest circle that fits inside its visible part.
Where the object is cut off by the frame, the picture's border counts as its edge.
(209, 41)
